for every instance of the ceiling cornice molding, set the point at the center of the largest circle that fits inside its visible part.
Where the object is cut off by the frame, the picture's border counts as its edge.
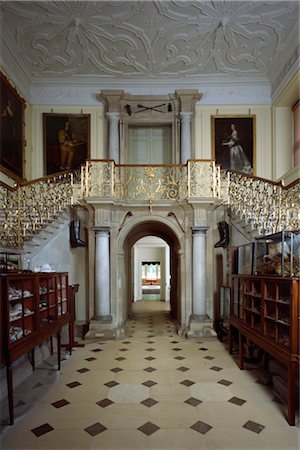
(11, 67)
(213, 93)
(287, 72)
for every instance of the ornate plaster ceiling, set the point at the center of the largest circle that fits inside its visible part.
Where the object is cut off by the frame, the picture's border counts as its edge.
(72, 41)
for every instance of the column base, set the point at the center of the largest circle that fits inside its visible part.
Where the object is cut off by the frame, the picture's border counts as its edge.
(201, 326)
(101, 327)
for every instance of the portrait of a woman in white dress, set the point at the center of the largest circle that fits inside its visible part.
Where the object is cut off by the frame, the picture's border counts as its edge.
(234, 142)
(238, 158)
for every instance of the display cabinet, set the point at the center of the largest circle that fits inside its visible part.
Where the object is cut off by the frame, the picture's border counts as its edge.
(10, 262)
(278, 254)
(265, 310)
(35, 306)
(245, 259)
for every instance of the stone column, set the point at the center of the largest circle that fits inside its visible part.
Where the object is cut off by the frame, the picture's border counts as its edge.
(102, 275)
(186, 150)
(199, 274)
(113, 145)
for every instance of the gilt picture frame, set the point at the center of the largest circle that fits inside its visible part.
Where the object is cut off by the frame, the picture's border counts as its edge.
(66, 141)
(12, 139)
(234, 142)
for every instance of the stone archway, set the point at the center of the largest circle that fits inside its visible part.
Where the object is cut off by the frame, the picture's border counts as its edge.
(165, 232)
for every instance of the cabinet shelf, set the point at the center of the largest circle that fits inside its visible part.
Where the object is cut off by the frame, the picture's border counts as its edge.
(270, 320)
(31, 312)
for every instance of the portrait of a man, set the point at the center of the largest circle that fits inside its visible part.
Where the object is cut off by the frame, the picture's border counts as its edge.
(66, 141)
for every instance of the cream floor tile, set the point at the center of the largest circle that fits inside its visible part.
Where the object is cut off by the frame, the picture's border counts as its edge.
(171, 413)
(119, 440)
(233, 438)
(181, 439)
(133, 376)
(170, 392)
(124, 416)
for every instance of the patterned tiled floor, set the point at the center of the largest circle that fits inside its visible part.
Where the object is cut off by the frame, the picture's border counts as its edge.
(151, 390)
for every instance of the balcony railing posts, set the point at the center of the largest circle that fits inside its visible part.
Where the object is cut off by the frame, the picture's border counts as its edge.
(265, 205)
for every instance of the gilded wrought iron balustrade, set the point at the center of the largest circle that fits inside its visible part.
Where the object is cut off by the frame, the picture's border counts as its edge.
(31, 206)
(203, 179)
(267, 206)
(172, 182)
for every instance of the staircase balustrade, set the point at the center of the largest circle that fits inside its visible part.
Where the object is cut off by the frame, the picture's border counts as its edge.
(29, 207)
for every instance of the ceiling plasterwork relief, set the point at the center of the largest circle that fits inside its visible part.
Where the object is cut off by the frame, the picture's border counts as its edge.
(146, 39)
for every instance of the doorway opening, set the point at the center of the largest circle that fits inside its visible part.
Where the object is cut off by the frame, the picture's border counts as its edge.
(152, 267)
(151, 280)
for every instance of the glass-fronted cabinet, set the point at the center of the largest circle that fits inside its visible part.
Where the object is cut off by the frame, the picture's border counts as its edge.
(62, 298)
(47, 299)
(278, 254)
(20, 307)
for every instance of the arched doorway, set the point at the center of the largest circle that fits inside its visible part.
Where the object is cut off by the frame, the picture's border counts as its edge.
(164, 232)
(150, 258)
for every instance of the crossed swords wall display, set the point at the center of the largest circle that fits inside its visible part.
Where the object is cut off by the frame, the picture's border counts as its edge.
(146, 108)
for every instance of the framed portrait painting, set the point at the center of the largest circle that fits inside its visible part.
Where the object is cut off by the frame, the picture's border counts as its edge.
(11, 130)
(66, 141)
(233, 142)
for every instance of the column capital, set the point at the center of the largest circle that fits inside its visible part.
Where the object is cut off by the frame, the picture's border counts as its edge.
(101, 230)
(186, 116)
(199, 230)
(113, 116)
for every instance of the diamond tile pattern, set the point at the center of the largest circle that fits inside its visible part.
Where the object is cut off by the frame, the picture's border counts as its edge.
(193, 401)
(149, 402)
(187, 382)
(111, 384)
(95, 429)
(237, 401)
(60, 403)
(201, 427)
(183, 369)
(83, 370)
(73, 384)
(123, 408)
(225, 382)
(148, 428)
(149, 383)
(42, 429)
(253, 426)
(116, 369)
(104, 403)
(217, 369)
(149, 369)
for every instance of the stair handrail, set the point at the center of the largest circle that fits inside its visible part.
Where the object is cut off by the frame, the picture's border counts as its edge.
(266, 205)
(30, 206)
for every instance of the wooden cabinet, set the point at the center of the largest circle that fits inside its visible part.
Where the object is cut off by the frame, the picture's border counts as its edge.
(34, 308)
(265, 310)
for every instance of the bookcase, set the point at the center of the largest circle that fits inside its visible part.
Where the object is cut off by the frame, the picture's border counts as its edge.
(35, 306)
(265, 310)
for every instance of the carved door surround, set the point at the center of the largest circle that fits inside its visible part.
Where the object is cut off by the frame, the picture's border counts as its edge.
(123, 111)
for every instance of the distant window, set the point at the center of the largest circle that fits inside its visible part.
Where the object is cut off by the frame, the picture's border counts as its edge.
(151, 270)
(296, 114)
